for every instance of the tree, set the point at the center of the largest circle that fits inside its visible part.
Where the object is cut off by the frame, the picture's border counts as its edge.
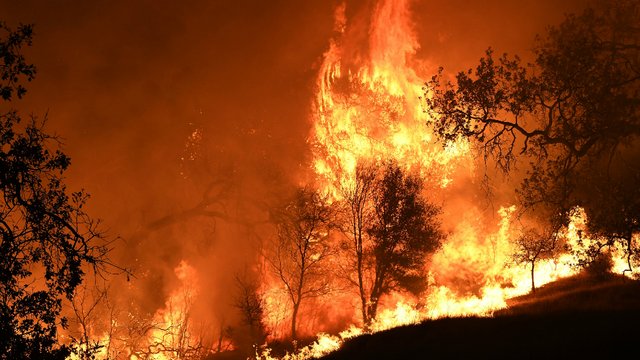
(612, 203)
(249, 301)
(404, 230)
(532, 246)
(357, 196)
(301, 248)
(574, 114)
(46, 238)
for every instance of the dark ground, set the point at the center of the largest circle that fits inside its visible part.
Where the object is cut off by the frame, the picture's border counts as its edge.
(582, 317)
(579, 317)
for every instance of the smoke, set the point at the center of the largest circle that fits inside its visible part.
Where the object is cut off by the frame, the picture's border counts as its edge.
(126, 85)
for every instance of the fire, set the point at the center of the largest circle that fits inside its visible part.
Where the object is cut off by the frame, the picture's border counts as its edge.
(372, 109)
(172, 333)
(368, 107)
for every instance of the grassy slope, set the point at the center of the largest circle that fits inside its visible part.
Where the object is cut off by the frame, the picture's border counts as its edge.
(578, 317)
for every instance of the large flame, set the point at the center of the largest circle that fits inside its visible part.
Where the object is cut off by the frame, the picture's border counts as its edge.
(368, 107)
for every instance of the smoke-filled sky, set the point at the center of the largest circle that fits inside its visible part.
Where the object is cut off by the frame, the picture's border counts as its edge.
(126, 83)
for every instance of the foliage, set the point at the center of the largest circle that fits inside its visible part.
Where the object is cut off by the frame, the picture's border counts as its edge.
(391, 229)
(14, 65)
(403, 231)
(574, 115)
(46, 237)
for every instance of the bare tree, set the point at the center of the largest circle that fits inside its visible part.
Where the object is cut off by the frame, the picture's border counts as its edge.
(532, 246)
(357, 211)
(249, 300)
(301, 248)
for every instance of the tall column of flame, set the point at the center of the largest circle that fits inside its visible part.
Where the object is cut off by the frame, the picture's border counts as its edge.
(368, 106)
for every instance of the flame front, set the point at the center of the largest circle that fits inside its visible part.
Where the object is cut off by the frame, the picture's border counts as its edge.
(368, 106)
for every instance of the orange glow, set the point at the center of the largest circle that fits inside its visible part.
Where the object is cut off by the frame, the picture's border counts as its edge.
(372, 109)
(368, 106)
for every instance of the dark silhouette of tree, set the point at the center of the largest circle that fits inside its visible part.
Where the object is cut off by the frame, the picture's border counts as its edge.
(532, 246)
(86, 305)
(249, 301)
(357, 213)
(574, 114)
(46, 238)
(15, 67)
(301, 248)
(403, 231)
(612, 203)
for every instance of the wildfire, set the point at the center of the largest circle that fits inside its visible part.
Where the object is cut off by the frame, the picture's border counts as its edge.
(172, 333)
(368, 107)
(372, 109)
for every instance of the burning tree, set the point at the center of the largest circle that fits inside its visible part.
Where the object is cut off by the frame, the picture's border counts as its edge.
(301, 248)
(392, 229)
(357, 214)
(46, 237)
(404, 229)
(574, 114)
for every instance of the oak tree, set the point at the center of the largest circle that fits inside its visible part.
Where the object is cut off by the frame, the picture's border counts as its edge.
(301, 248)
(46, 238)
(572, 118)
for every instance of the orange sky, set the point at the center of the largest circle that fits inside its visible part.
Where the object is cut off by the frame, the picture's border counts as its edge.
(125, 83)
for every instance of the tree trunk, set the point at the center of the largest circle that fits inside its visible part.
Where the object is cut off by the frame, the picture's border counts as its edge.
(363, 295)
(372, 309)
(296, 306)
(533, 282)
(220, 337)
(629, 240)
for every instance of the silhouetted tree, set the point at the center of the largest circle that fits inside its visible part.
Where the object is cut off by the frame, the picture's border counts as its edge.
(403, 230)
(86, 305)
(357, 200)
(249, 300)
(46, 238)
(574, 114)
(301, 248)
(532, 246)
(612, 204)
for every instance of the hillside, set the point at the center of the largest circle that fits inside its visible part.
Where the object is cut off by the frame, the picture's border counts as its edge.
(575, 317)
